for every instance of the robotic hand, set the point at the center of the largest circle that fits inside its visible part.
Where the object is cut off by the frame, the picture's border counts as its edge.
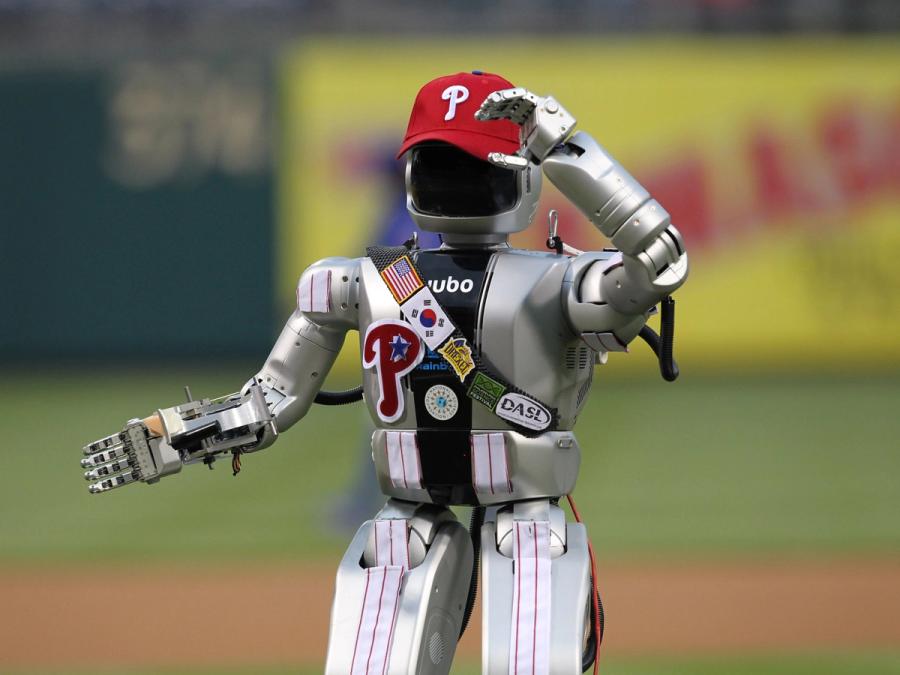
(544, 122)
(194, 431)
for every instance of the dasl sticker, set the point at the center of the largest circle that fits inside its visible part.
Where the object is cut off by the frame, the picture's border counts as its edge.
(524, 411)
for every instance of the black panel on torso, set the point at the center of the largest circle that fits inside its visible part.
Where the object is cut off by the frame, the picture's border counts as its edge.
(443, 411)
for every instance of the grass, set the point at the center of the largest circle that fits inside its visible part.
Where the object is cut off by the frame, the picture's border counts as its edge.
(703, 467)
(780, 664)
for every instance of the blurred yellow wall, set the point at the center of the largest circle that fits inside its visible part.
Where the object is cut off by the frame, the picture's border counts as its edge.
(779, 160)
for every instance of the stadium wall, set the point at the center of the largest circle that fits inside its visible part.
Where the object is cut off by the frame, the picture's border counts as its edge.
(778, 159)
(136, 219)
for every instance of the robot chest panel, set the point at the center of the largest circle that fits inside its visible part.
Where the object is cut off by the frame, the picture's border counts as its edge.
(458, 281)
(505, 305)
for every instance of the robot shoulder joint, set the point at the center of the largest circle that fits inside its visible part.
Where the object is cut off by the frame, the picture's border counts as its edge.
(327, 291)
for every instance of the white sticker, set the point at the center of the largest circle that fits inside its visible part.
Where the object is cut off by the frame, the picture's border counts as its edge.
(523, 410)
(455, 93)
(441, 402)
(427, 318)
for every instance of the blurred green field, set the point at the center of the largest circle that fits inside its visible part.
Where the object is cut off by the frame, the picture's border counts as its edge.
(783, 664)
(702, 467)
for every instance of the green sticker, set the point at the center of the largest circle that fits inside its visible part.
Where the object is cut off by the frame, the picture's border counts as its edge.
(485, 390)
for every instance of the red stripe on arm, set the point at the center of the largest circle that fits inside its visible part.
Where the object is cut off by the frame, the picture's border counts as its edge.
(328, 293)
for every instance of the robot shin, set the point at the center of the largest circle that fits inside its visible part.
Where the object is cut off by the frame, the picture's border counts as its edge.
(535, 603)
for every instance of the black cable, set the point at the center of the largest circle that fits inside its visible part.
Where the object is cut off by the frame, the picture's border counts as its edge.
(664, 346)
(667, 365)
(339, 397)
(475, 523)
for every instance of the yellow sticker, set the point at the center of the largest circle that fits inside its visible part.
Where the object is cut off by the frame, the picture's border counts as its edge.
(458, 354)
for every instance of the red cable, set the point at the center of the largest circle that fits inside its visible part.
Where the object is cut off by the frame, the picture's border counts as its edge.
(596, 604)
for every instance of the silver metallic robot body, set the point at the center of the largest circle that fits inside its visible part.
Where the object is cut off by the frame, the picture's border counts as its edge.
(542, 321)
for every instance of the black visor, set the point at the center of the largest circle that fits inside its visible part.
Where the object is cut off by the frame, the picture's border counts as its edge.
(445, 181)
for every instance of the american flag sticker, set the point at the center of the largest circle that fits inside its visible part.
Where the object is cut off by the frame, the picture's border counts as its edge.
(401, 279)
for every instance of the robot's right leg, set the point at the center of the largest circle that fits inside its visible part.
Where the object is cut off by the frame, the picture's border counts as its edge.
(400, 594)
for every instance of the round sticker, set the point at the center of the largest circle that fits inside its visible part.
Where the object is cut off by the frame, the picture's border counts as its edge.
(441, 402)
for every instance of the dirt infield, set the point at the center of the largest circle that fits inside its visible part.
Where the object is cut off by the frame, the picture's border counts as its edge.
(268, 615)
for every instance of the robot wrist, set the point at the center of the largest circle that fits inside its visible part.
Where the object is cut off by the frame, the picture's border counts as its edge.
(200, 429)
(550, 126)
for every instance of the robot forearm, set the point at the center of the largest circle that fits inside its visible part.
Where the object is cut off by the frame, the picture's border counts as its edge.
(273, 400)
(654, 262)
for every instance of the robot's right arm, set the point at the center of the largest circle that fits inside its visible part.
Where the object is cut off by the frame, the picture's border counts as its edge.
(273, 400)
(653, 262)
(610, 293)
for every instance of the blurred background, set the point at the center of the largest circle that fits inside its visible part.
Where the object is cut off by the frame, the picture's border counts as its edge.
(167, 171)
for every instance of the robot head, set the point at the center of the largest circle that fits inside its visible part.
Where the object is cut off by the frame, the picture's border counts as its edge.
(451, 188)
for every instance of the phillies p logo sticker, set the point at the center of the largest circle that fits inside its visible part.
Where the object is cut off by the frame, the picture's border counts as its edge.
(393, 349)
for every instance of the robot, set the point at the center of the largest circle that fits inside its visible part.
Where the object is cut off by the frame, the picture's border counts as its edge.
(477, 360)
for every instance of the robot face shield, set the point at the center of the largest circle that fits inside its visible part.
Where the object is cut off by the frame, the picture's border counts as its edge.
(445, 181)
(450, 191)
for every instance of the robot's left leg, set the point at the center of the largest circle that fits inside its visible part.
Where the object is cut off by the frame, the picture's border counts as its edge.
(537, 580)
(400, 594)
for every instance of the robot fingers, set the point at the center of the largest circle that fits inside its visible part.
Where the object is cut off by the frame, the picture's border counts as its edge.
(104, 457)
(110, 469)
(113, 482)
(111, 462)
(119, 459)
(516, 105)
(544, 122)
(109, 443)
(514, 162)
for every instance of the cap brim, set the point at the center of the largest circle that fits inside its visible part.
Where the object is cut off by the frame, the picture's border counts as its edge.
(477, 145)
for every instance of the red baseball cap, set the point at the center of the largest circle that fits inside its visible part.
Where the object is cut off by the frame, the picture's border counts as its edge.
(445, 111)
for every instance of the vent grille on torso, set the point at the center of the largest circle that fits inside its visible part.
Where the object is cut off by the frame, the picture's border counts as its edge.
(577, 357)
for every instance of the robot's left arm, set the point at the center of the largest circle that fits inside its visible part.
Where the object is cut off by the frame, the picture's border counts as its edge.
(652, 262)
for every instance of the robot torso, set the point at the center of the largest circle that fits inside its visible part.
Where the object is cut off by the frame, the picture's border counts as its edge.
(446, 448)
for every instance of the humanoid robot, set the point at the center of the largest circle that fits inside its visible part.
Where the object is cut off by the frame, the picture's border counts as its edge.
(477, 360)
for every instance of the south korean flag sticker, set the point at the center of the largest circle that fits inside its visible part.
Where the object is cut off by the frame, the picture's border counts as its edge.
(427, 318)
(441, 402)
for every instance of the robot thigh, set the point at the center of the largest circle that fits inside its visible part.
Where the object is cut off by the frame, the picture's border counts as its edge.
(400, 594)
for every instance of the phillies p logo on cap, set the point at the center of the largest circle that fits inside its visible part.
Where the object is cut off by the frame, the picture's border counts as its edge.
(455, 93)
(445, 111)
